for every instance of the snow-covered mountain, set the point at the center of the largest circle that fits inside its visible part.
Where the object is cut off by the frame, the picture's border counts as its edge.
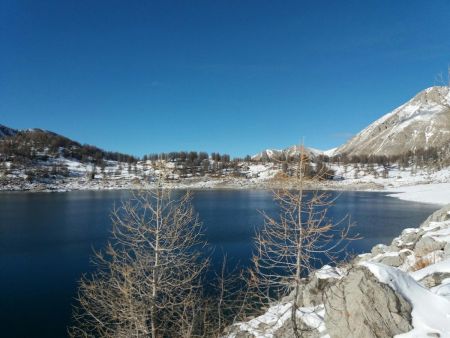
(293, 151)
(422, 122)
(5, 131)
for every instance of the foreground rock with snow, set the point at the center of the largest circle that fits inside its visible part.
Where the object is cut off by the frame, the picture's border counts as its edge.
(400, 290)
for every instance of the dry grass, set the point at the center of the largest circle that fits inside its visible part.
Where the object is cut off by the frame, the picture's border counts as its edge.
(423, 262)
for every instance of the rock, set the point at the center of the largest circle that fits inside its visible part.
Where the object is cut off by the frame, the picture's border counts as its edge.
(438, 216)
(379, 249)
(312, 293)
(409, 234)
(391, 260)
(427, 244)
(286, 331)
(243, 334)
(406, 240)
(447, 250)
(312, 288)
(360, 306)
(362, 258)
(434, 279)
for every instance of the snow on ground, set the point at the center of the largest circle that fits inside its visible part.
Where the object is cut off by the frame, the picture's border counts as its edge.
(412, 184)
(436, 193)
(262, 171)
(330, 152)
(390, 177)
(267, 325)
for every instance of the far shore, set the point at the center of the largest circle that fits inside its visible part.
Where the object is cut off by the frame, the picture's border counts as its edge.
(426, 192)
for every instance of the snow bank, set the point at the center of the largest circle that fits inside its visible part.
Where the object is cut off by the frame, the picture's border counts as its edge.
(436, 193)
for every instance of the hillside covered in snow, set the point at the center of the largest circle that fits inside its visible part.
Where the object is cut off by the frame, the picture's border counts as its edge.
(284, 154)
(422, 122)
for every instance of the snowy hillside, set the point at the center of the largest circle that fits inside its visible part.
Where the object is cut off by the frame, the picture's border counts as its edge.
(422, 122)
(290, 152)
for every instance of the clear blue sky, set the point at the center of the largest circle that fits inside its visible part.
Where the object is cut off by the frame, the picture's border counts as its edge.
(229, 76)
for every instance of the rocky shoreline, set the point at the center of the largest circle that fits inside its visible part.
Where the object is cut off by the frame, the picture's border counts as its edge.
(77, 183)
(401, 290)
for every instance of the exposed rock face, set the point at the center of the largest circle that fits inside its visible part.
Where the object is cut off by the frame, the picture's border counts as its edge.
(428, 244)
(440, 215)
(360, 306)
(434, 279)
(422, 122)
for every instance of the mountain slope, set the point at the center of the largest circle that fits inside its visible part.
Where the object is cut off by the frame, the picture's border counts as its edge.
(422, 122)
(38, 144)
(5, 131)
(292, 151)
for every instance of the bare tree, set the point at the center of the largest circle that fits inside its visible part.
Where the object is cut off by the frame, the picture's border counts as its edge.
(230, 301)
(300, 239)
(148, 279)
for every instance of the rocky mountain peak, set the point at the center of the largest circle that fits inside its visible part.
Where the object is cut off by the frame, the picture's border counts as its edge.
(422, 122)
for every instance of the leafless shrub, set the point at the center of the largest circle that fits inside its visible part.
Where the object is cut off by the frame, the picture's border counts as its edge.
(290, 246)
(148, 280)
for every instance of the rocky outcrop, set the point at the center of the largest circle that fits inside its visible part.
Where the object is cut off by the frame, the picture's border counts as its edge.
(361, 306)
(371, 296)
(428, 242)
(440, 215)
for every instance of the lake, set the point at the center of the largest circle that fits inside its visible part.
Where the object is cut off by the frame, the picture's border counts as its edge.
(46, 240)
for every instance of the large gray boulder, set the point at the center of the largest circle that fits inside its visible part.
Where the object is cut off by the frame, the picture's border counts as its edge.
(434, 279)
(427, 244)
(440, 215)
(361, 306)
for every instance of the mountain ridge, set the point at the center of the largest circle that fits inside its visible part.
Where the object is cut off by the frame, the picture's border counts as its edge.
(421, 122)
(6, 131)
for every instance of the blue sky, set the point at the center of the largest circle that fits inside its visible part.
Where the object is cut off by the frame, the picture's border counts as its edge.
(229, 76)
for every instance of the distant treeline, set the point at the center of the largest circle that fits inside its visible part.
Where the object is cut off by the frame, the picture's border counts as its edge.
(37, 144)
(198, 163)
(434, 156)
(27, 146)
(193, 157)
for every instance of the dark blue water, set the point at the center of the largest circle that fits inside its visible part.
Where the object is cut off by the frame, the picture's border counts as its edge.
(46, 241)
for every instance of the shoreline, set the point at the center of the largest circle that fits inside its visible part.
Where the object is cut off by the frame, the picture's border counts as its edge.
(429, 192)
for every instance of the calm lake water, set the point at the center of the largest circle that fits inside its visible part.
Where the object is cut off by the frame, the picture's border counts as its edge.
(46, 241)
